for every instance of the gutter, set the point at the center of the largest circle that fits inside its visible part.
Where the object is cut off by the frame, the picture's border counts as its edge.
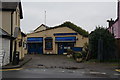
(11, 40)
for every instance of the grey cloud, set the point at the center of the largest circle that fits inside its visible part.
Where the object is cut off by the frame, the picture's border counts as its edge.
(84, 14)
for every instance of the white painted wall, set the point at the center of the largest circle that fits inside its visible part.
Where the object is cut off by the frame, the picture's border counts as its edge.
(5, 51)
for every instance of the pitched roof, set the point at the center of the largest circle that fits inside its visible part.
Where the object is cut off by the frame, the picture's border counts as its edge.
(75, 28)
(71, 26)
(11, 6)
(23, 34)
(4, 34)
(40, 26)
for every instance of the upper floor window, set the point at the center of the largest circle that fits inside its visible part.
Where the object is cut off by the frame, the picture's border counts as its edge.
(20, 43)
(16, 18)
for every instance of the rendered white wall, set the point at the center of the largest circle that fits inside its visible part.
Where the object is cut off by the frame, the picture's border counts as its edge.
(5, 50)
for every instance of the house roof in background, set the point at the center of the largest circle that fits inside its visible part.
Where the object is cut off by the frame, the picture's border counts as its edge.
(11, 6)
(23, 34)
(40, 26)
(69, 25)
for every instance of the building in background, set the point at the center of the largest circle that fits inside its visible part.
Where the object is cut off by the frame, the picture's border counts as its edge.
(41, 27)
(114, 28)
(10, 15)
(56, 40)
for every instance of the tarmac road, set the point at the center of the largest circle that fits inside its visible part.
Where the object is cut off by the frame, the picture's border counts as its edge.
(57, 73)
(46, 67)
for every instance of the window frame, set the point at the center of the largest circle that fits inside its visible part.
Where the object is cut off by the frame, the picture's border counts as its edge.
(48, 42)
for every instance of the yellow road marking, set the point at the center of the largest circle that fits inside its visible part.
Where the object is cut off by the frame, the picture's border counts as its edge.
(10, 69)
(118, 70)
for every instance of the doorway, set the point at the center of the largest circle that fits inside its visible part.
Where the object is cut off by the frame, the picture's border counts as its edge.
(62, 47)
(35, 48)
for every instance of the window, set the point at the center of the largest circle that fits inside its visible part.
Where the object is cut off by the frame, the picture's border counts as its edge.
(16, 18)
(20, 43)
(25, 45)
(48, 43)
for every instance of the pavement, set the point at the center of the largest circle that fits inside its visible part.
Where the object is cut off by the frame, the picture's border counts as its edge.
(21, 63)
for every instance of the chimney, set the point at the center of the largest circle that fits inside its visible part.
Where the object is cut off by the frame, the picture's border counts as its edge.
(118, 9)
(110, 22)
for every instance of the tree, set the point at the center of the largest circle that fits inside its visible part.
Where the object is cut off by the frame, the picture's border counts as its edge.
(101, 44)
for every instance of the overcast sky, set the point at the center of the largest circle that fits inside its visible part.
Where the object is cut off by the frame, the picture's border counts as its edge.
(84, 14)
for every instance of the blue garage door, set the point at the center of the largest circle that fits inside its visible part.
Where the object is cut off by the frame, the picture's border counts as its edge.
(35, 45)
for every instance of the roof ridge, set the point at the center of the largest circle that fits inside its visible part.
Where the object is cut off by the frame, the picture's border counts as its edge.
(83, 32)
(40, 26)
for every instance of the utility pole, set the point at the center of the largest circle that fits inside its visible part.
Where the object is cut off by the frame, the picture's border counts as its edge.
(45, 23)
(45, 18)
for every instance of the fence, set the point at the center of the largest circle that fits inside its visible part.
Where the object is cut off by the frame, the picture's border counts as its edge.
(118, 48)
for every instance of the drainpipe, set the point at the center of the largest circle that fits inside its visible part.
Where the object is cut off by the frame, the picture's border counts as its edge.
(11, 40)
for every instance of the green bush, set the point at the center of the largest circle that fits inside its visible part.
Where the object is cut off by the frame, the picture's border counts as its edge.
(77, 55)
(69, 51)
(102, 44)
(85, 51)
(75, 27)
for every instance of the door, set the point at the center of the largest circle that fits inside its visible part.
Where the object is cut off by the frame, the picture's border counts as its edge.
(62, 47)
(39, 48)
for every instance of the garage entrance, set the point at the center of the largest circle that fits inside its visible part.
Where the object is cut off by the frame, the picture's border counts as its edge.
(35, 48)
(35, 45)
(65, 43)
(62, 47)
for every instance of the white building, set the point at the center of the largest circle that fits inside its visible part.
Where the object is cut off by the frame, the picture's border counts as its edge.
(4, 47)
